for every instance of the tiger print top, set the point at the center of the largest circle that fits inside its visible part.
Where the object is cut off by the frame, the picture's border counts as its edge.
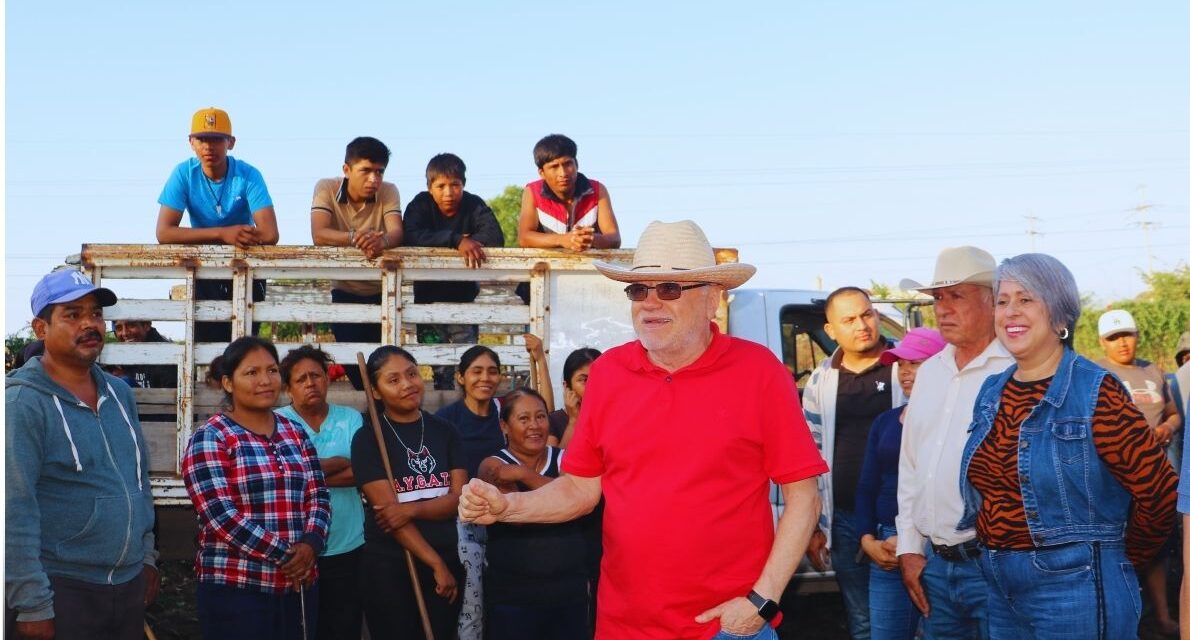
(1125, 445)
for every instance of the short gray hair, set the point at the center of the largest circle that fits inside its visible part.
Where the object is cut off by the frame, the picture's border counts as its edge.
(1048, 279)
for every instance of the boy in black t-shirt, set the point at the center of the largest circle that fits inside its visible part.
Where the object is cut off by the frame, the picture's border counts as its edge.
(447, 216)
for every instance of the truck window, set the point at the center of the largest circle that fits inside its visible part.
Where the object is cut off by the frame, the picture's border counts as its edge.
(804, 343)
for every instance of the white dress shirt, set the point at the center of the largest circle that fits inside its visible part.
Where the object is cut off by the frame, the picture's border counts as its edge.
(929, 505)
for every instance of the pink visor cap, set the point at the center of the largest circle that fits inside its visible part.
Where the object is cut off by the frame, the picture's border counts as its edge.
(918, 344)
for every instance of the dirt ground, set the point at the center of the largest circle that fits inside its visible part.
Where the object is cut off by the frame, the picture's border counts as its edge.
(813, 617)
(175, 616)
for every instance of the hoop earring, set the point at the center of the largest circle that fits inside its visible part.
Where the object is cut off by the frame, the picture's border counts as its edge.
(1064, 333)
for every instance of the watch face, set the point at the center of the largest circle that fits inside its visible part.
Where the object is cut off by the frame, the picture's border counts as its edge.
(768, 610)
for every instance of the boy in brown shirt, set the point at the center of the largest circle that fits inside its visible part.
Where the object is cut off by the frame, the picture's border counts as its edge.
(358, 210)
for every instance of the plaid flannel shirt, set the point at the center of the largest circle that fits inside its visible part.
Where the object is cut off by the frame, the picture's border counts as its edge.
(255, 497)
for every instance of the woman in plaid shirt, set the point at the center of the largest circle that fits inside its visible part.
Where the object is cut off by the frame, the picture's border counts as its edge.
(262, 504)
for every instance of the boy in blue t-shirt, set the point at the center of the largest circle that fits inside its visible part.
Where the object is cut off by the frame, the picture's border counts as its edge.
(227, 201)
(226, 198)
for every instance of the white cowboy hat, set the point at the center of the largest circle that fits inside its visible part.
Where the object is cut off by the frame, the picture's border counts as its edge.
(958, 265)
(677, 252)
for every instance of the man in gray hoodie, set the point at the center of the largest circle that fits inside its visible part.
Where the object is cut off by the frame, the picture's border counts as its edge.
(79, 559)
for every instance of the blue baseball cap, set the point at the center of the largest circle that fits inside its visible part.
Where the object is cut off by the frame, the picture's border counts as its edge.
(66, 285)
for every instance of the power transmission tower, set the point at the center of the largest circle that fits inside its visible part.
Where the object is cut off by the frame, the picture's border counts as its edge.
(1141, 211)
(1032, 231)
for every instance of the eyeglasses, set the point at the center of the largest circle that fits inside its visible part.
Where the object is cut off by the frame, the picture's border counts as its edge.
(665, 290)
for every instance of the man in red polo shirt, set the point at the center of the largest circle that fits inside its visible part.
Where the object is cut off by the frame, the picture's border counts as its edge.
(681, 432)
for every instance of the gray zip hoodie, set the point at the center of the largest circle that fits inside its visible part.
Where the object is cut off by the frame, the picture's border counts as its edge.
(77, 498)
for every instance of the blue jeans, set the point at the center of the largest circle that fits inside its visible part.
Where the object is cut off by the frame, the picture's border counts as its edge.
(852, 576)
(958, 596)
(893, 615)
(1078, 591)
(766, 633)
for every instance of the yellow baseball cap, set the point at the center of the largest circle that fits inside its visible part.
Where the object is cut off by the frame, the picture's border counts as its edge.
(210, 122)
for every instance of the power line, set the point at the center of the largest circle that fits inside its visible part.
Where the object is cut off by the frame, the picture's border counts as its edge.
(1112, 164)
(865, 259)
(886, 237)
(636, 135)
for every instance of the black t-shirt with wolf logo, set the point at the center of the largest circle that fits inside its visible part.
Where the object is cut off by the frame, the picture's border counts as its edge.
(422, 461)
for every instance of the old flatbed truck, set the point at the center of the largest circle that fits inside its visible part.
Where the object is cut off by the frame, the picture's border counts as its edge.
(571, 305)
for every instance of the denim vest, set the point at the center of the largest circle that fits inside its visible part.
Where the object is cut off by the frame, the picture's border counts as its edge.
(1069, 494)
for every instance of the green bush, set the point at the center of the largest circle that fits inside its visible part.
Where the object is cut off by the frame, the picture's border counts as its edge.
(1162, 314)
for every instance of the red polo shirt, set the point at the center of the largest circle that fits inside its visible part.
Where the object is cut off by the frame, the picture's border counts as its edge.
(685, 460)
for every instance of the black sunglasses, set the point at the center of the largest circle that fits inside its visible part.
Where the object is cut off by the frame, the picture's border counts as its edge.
(665, 290)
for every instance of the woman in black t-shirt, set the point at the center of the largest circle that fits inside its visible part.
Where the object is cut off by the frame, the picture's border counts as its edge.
(429, 472)
(476, 416)
(535, 586)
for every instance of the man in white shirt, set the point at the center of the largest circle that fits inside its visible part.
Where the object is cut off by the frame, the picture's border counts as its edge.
(939, 564)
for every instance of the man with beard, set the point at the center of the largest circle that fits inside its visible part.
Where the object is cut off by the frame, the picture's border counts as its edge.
(79, 558)
(844, 395)
(682, 431)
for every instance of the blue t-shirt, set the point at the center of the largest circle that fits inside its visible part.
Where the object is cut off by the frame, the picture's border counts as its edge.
(210, 203)
(333, 440)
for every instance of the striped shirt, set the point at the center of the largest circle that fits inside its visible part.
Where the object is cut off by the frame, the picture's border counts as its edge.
(256, 496)
(553, 216)
(1125, 445)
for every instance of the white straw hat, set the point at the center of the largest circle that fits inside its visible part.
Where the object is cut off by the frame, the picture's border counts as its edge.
(958, 265)
(677, 252)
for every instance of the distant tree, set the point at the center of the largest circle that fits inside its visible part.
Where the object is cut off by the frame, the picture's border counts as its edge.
(507, 207)
(14, 344)
(1167, 285)
(921, 310)
(1162, 313)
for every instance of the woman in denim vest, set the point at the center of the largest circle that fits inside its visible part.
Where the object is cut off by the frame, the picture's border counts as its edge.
(1062, 478)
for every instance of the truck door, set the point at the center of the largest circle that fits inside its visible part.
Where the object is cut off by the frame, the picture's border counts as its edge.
(804, 342)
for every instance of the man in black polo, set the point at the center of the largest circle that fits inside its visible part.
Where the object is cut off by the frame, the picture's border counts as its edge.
(844, 394)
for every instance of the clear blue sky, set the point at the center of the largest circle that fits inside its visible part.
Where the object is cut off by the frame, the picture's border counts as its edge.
(842, 141)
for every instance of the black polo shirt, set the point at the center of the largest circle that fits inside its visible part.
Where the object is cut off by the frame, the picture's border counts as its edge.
(862, 396)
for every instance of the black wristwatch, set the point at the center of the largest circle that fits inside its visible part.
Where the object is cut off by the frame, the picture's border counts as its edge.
(766, 609)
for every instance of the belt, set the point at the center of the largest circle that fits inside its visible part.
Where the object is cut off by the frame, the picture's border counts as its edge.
(968, 550)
